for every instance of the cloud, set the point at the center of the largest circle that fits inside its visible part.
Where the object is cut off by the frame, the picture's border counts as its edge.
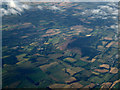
(13, 7)
(40, 7)
(16, 7)
(109, 10)
(54, 8)
(96, 11)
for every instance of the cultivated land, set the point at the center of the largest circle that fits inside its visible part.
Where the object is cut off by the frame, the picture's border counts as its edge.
(59, 49)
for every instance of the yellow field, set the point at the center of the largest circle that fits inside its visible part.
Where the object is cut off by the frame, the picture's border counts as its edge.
(95, 73)
(114, 70)
(24, 36)
(90, 85)
(70, 59)
(106, 85)
(85, 59)
(115, 83)
(105, 66)
(73, 70)
(93, 60)
(110, 44)
(57, 86)
(20, 57)
(104, 42)
(76, 85)
(108, 38)
(5, 56)
(73, 85)
(44, 67)
(101, 70)
(70, 79)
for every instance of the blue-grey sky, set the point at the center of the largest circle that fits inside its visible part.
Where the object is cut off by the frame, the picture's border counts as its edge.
(63, 0)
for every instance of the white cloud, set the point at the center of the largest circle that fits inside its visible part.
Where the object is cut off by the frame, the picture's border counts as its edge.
(16, 7)
(54, 8)
(96, 11)
(13, 7)
(4, 12)
(40, 7)
(103, 11)
(114, 26)
(25, 6)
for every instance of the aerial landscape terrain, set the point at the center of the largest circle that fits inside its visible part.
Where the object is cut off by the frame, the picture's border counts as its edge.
(60, 45)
